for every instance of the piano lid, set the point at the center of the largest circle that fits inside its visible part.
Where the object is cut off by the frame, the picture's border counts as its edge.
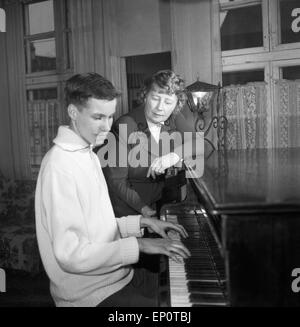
(256, 180)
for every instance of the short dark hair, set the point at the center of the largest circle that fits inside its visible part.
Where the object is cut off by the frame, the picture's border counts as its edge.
(81, 87)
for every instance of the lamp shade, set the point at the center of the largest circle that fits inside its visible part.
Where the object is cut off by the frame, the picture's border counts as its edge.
(200, 95)
(201, 86)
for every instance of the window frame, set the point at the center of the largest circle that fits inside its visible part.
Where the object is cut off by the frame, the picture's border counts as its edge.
(265, 23)
(41, 87)
(35, 37)
(275, 25)
(64, 58)
(61, 34)
(275, 57)
(278, 64)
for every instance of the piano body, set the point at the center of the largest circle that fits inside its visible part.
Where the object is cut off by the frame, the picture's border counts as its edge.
(243, 217)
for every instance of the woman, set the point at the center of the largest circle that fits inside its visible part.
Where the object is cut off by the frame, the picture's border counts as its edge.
(139, 185)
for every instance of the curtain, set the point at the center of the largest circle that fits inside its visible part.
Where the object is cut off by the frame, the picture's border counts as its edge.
(196, 40)
(81, 16)
(115, 66)
(14, 104)
(96, 41)
(287, 114)
(6, 161)
(245, 107)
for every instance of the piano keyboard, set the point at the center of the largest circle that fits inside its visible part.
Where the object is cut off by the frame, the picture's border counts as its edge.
(199, 280)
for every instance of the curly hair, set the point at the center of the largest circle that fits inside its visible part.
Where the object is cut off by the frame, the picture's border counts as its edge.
(170, 83)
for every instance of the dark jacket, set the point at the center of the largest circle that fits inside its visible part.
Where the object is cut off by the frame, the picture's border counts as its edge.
(130, 189)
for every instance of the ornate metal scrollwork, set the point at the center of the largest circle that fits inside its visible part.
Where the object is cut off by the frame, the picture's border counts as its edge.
(217, 120)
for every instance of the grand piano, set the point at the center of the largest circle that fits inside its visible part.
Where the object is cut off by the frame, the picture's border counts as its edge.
(243, 218)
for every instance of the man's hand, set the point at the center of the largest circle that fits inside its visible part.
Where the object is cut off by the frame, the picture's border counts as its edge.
(173, 249)
(148, 212)
(162, 227)
(159, 165)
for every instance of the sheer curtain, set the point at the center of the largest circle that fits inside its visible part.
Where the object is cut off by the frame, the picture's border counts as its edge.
(245, 107)
(248, 112)
(287, 113)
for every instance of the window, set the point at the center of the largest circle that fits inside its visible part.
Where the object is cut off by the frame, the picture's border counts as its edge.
(42, 94)
(259, 33)
(243, 77)
(241, 28)
(42, 56)
(47, 36)
(286, 69)
(40, 37)
(41, 17)
(289, 21)
(48, 59)
(291, 73)
(260, 41)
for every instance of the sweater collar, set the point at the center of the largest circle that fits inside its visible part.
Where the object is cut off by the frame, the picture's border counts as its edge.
(68, 140)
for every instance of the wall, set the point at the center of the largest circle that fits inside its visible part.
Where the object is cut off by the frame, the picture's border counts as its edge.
(148, 64)
(104, 32)
(185, 27)
(193, 40)
(144, 26)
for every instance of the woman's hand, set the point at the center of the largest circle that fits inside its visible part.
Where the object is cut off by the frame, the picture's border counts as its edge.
(173, 249)
(161, 227)
(148, 212)
(159, 165)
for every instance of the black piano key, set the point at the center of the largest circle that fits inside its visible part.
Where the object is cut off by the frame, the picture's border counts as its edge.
(204, 287)
(198, 298)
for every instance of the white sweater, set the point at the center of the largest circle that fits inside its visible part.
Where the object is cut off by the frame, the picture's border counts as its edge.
(85, 250)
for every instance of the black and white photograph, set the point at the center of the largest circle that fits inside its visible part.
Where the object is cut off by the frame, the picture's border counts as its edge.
(150, 156)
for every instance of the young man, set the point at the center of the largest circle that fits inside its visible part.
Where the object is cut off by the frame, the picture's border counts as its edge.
(87, 252)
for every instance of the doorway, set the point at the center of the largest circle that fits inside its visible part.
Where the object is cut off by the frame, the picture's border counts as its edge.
(138, 68)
